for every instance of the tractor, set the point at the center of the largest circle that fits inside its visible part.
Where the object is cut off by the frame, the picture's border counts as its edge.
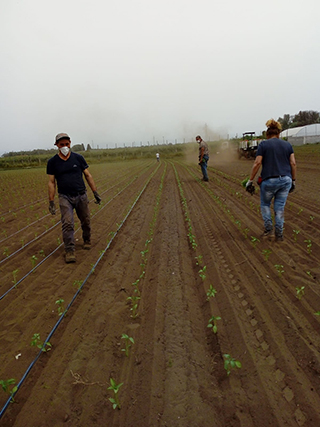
(248, 146)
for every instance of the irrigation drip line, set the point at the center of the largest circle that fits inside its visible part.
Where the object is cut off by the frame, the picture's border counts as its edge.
(22, 207)
(29, 225)
(38, 265)
(27, 244)
(4, 408)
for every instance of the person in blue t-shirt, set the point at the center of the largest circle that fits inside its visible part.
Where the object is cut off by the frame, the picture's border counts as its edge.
(277, 179)
(66, 169)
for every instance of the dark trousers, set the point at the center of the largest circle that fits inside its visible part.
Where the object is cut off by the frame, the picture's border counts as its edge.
(80, 204)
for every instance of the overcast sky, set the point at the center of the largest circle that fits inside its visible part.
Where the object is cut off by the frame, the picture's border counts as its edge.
(117, 72)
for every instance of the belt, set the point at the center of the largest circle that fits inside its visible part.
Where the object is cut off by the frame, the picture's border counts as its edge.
(76, 193)
(276, 176)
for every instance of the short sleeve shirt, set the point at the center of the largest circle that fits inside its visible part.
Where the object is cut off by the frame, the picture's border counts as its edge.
(206, 148)
(68, 173)
(275, 154)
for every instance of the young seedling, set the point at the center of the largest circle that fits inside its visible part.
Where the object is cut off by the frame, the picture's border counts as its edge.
(213, 323)
(266, 253)
(77, 283)
(36, 342)
(58, 241)
(300, 210)
(309, 244)
(245, 232)
(6, 252)
(5, 384)
(60, 302)
(317, 313)
(211, 292)
(295, 234)
(254, 241)
(115, 400)
(128, 342)
(279, 269)
(199, 259)
(202, 273)
(309, 274)
(230, 363)
(311, 218)
(300, 292)
(15, 274)
(41, 253)
(33, 260)
(134, 302)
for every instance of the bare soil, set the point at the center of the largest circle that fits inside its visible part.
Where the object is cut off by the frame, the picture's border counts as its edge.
(174, 374)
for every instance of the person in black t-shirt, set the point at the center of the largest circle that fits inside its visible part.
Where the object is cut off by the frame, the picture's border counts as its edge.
(277, 178)
(66, 170)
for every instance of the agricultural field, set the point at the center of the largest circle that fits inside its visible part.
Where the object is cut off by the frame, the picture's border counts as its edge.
(179, 315)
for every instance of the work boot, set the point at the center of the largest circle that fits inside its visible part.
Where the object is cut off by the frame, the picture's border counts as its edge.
(86, 245)
(279, 238)
(70, 257)
(268, 234)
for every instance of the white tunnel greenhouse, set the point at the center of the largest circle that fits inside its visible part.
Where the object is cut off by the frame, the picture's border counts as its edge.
(309, 134)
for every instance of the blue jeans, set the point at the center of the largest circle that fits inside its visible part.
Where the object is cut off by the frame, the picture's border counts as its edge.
(277, 189)
(81, 205)
(203, 165)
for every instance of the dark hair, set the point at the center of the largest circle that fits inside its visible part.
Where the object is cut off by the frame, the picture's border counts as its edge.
(273, 128)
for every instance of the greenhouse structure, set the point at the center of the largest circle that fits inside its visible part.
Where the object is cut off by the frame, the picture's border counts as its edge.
(309, 134)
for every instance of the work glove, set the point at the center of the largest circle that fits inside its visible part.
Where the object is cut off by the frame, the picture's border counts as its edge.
(293, 186)
(97, 197)
(52, 207)
(250, 187)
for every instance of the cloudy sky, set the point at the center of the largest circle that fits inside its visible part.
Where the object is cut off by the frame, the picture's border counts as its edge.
(116, 72)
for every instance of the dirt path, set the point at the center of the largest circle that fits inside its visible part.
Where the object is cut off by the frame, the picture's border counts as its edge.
(174, 374)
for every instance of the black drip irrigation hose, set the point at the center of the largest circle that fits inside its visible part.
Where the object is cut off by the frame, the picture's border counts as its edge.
(48, 256)
(73, 299)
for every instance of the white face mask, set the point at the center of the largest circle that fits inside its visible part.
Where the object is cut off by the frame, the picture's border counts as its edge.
(64, 150)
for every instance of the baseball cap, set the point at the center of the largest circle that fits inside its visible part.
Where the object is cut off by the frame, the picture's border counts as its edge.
(62, 136)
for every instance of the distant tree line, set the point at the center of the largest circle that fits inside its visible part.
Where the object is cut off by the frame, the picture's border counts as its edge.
(303, 118)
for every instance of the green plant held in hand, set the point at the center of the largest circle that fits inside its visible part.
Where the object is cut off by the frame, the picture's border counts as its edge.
(300, 292)
(5, 384)
(266, 253)
(60, 302)
(36, 342)
(279, 269)
(213, 323)
(115, 400)
(230, 363)
(128, 342)
(211, 293)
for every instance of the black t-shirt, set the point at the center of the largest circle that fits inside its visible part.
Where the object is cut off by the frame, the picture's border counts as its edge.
(68, 173)
(275, 157)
